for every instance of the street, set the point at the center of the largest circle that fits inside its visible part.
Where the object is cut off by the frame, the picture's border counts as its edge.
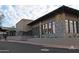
(12, 47)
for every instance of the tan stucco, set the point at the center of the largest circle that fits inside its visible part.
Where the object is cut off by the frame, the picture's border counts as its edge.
(22, 25)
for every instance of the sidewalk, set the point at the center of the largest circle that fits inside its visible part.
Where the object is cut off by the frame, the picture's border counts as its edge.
(44, 45)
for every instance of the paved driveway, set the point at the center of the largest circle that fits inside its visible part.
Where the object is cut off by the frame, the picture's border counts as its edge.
(14, 47)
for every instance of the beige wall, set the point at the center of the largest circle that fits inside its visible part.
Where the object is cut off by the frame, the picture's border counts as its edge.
(71, 17)
(58, 17)
(22, 25)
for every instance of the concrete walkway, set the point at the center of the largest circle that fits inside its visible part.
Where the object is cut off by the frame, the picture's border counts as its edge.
(42, 44)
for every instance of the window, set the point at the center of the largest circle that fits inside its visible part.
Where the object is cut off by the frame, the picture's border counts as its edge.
(53, 27)
(49, 28)
(75, 27)
(44, 29)
(71, 26)
(66, 24)
(50, 25)
(45, 26)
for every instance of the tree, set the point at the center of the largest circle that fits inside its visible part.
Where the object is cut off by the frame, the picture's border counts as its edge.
(1, 17)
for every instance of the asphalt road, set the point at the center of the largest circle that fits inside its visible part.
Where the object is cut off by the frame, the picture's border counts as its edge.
(9, 47)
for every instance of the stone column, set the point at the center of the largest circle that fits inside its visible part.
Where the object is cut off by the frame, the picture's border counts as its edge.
(40, 29)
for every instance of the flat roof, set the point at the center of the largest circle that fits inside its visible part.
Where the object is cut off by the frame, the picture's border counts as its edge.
(53, 13)
(25, 20)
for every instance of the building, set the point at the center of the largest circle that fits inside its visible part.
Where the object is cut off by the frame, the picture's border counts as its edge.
(62, 22)
(22, 27)
(5, 30)
(10, 31)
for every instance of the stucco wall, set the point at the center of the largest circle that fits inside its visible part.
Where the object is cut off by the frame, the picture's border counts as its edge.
(59, 25)
(22, 26)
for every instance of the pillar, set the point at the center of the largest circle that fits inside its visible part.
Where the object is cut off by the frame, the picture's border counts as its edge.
(40, 30)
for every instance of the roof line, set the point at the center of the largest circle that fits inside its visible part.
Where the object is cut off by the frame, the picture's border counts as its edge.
(63, 8)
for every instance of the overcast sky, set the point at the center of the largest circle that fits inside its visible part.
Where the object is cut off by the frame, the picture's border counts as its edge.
(15, 10)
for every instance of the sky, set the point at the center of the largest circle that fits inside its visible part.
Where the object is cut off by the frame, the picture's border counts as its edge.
(15, 10)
